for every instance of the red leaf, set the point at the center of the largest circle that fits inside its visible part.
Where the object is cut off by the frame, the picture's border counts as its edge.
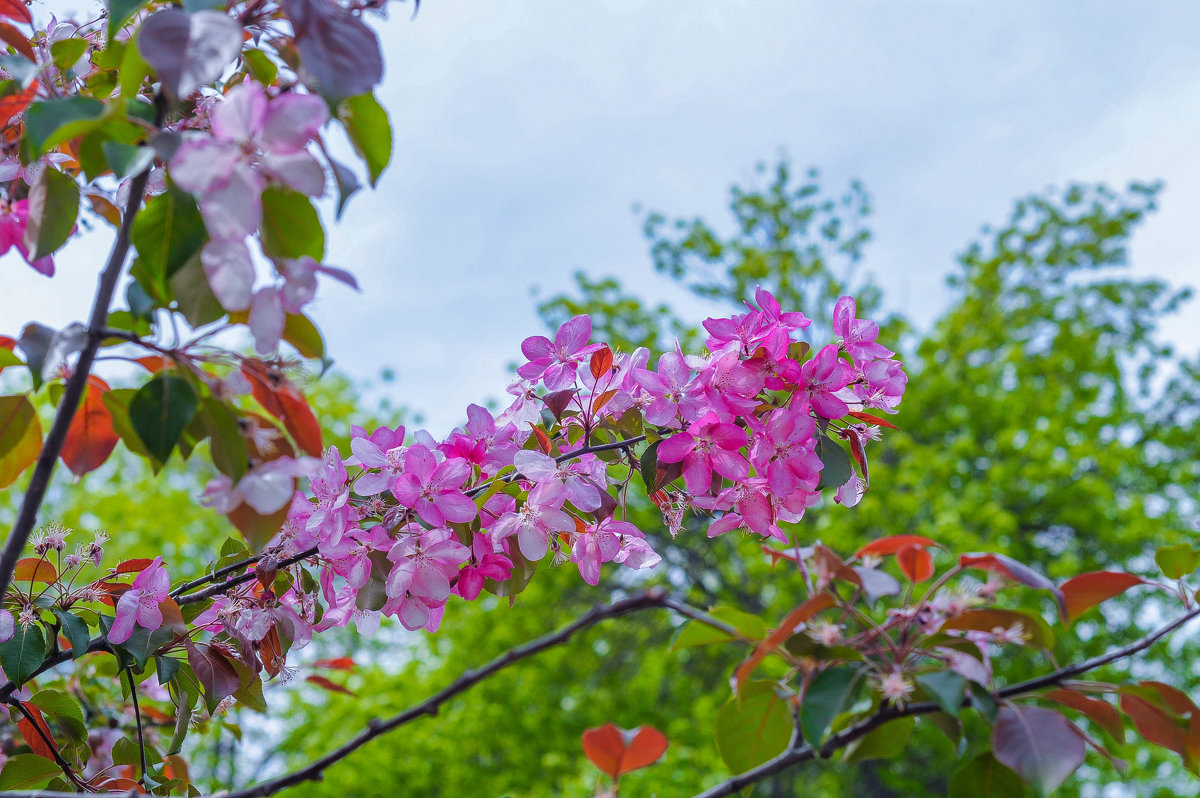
(1102, 712)
(15, 9)
(281, 399)
(339, 663)
(558, 401)
(13, 104)
(617, 751)
(885, 546)
(90, 437)
(135, 566)
(153, 363)
(333, 687)
(602, 360)
(1087, 590)
(32, 738)
(19, 41)
(915, 563)
(34, 569)
(796, 617)
(870, 419)
(1155, 724)
(602, 399)
(1018, 572)
(543, 439)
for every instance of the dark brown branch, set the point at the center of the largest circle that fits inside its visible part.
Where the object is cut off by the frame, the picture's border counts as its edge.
(137, 714)
(250, 576)
(654, 598)
(31, 502)
(806, 753)
(62, 763)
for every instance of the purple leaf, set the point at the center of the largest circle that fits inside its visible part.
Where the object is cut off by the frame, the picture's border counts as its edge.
(188, 50)
(1040, 745)
(1016, 571)
(338, 52)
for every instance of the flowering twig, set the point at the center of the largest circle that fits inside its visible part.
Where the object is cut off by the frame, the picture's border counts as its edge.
(807, 752)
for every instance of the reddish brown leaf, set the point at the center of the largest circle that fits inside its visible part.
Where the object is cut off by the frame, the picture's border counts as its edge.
(1155, 724)
(870, 419)
(135, 566)
(558, 401)
(333, 687)
(1102, 713)
(602, 399)
(885, 546)
(153, 363)
(15, 9)
(257, 529)
(1174, 698)
(618, 751)
(34, 740)
(90, 437)
(915, 563)
(300, 421)
(338, 663)
(601, 364)
(18, 41)
(786, 629)
(543, 439)
(13, 104)
(34, 569)
(1087, 590)
(987, 620)
(1018, 572)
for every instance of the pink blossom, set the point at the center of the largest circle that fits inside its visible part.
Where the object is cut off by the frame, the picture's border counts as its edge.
(675, 397)
(538, 518)
(425, 564)
(581, 490)
(858, 335)
(554, 362)
(596, 545)
(432, 488)
(785, 450)
(486, 563)
(820, 380)
(708, 445)
(384, 450)
(139, 604)
(882, 385)
(14, 218)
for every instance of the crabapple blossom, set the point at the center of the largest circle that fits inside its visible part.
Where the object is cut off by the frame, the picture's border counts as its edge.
(707, 445)
(432, 488)
(554, 362)
(140, 604)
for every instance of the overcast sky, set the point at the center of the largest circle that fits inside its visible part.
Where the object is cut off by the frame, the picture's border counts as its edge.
(526, 131)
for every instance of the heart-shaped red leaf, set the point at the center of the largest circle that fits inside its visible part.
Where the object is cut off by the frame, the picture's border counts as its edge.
(617, 751)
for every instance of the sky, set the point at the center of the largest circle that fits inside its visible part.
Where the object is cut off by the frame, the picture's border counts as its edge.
(526, 132)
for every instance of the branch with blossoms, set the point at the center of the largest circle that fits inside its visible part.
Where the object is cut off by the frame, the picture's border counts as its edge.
(201, 136)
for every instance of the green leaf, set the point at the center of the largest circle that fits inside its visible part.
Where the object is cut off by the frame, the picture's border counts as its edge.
(828, 695)
(649, 466)
(22, 653)
(836, 463)
(193, 294)
(134, 70)
(166, 667)
(884, 742)
(697, 633)
(753, 728)
(290, 227)
(370, 132)
(27, 772)
(117, 401)
(226, 441)
(261, 67)
(126, 752)
(1177, 561)
(65, 708)
(53, 209)
(143, 643)
(119, 12)
(52, 122)
(75, 629)
(160, 411)
(20, 437)
(66, 52)
(301, 333)
(946, 688)
(126, 159)
(984, 777)
(167, 233)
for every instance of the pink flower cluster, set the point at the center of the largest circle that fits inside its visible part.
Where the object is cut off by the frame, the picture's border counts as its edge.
(406, 520)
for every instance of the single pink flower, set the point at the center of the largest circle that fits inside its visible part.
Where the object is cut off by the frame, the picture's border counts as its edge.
(554, 362)
(14, 218)
(433, 489)
(708, 445)
(139, 605)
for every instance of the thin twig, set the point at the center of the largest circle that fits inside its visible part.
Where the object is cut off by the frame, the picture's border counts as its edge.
(62, 763)
(137, 713)
(806, 752)
(31, 502)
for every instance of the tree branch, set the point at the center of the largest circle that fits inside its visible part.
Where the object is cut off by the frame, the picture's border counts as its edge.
(31, 502)
(62, 763)
(806, 752)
